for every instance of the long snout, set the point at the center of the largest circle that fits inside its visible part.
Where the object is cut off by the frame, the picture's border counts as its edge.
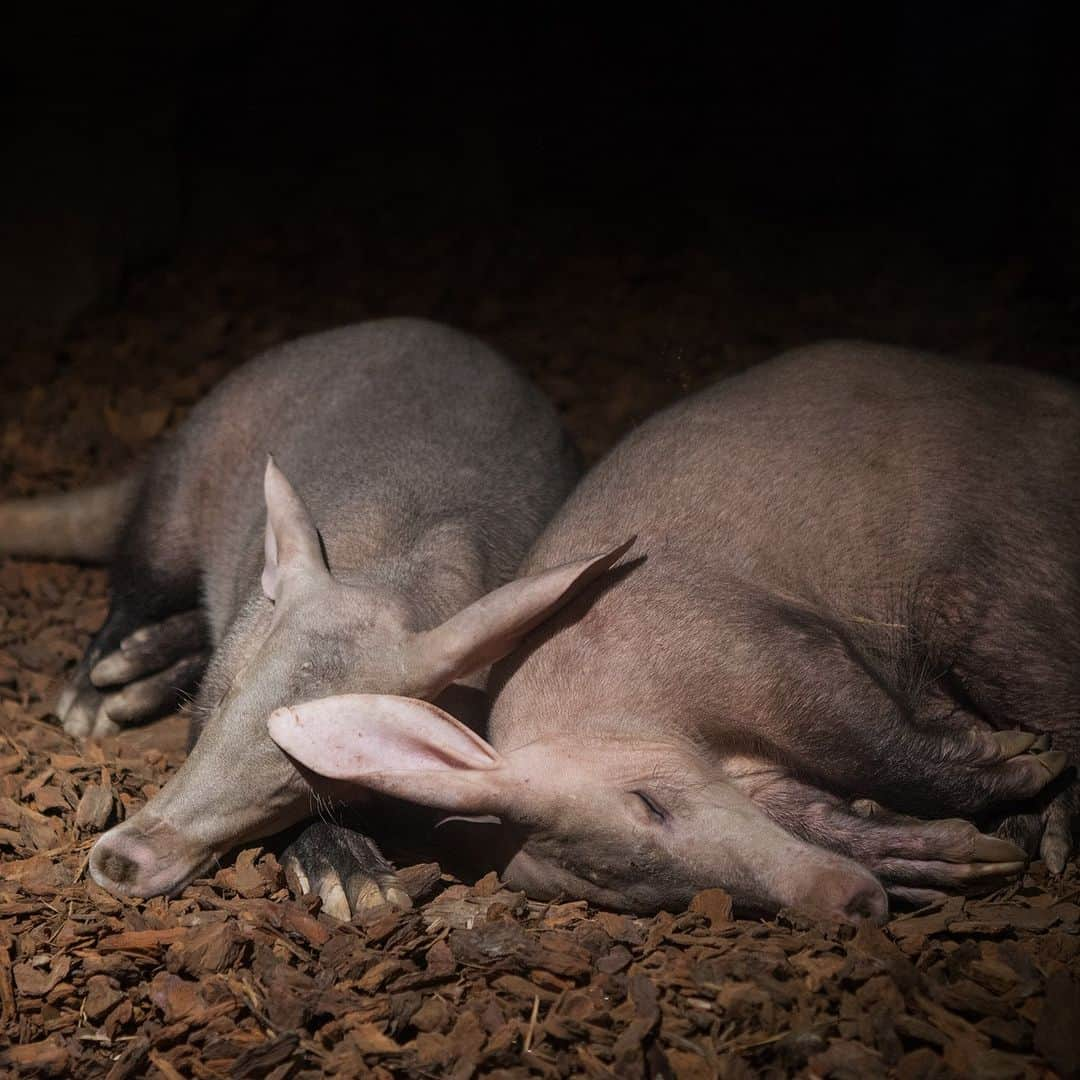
(840, 891)
(767, 868)
(146, 856)
(231, 790)
(788, 872)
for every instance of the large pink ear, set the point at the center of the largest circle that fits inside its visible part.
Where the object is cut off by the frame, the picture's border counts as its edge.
(494, 625)
(293, 553)
(403, 747)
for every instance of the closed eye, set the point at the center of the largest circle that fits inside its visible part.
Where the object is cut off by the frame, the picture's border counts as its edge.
(654, 808)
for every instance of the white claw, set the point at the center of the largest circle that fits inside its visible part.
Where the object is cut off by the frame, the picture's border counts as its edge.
(1055, 847)
(399, 898)
(103, 726)
(301, 878)
(369, 895)
(78, 720)
(335, 902)
(64, 702)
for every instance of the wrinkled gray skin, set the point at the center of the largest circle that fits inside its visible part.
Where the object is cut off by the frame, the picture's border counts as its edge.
(858, 570)
(426, 464)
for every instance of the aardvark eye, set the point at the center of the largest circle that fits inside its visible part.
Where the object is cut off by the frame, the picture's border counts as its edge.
(655, 809)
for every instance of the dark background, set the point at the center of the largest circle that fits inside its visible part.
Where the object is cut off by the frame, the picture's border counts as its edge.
(627, 205)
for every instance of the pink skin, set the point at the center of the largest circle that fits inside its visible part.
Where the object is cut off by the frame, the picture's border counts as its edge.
(628, 824)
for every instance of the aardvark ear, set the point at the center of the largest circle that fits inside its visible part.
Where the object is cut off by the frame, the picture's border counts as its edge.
(494, 625)
(402, 747)
(294, 556)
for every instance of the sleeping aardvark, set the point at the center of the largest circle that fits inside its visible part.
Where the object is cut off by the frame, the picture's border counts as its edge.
(414, 467)
(849, 626)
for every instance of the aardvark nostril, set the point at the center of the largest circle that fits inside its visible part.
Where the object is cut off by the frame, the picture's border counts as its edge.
(109, 866)
(146, 856)
(849, 895)
(867, 903)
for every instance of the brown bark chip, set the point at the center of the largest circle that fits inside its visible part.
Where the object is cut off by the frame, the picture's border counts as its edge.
(715, 905)
(102, 993)
(50, 1057)
(233, 978)
(1057, 1034)
(94, 809)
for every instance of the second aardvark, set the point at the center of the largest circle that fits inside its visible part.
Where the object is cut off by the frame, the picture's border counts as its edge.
(859, 575)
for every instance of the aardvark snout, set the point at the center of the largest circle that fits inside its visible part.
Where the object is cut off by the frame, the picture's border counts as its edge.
(841, 895)
(145, 858)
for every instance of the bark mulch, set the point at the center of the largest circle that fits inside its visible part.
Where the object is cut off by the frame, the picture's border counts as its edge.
(235, 979)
